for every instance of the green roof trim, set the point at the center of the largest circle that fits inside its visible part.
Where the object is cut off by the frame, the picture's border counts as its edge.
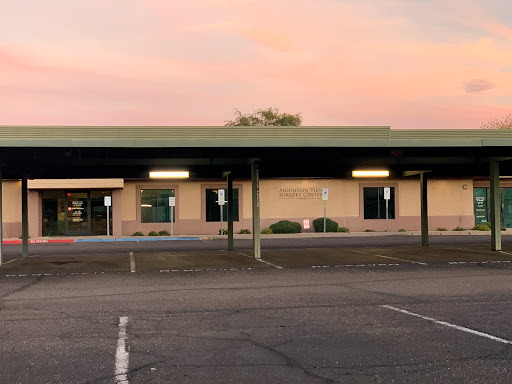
(220, 136)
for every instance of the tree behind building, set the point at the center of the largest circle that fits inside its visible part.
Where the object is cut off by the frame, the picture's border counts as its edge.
(268, 117)
(503, 123)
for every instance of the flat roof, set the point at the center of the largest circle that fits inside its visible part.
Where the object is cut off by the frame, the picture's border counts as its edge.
(255, 137)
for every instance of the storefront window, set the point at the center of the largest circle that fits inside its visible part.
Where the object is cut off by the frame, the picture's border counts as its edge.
(213, 209)
(54, 213)
(76, 213)
(154, 205)
(375, 204)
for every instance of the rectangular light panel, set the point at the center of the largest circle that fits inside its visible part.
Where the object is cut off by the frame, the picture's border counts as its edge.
(169, 175)
(370, 173)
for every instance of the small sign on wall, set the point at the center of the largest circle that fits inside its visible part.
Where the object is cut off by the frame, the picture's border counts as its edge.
(305, 223)
(387, 193)
(222, 197)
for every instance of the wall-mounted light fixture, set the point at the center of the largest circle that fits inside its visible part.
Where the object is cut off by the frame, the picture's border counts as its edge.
(169, 174)
(370, 173)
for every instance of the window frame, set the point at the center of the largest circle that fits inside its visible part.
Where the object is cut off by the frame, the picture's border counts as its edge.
(362, 186)
(204, 187)
(158, 199)
(156, 185)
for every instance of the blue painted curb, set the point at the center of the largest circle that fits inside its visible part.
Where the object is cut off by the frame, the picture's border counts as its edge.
(134, 239)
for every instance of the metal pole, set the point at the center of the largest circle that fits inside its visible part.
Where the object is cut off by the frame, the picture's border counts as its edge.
(495, 206)
(387, 215)
(24, 218)
(231, 208)
(108, 220)
(325, 209)
(255, 176)
(424, 210)
(172, 221)
(1, 235)
(221, 218)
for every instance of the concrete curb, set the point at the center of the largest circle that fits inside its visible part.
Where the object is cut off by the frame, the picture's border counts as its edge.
(304, 235)
(100, 240)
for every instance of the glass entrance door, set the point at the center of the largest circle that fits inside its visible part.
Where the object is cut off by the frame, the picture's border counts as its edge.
(75, 213)
(78, 220)
(506, 207)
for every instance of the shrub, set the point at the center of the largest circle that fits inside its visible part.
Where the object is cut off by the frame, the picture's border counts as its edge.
(164, 233)
(153, 233)
(286, 226)
(266, 231)
(224, 231)
(457, 228)
(482, 227)
(137, 233)
(441, 229)
(245, 231)
(369, 230)
(402, 230)
(330, 225)
(343, 229)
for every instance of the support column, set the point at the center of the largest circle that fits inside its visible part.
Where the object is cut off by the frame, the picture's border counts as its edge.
(424, 209)
(1, 233)
(495, 206)
(255, 172)
(24, 218)
(230, 211)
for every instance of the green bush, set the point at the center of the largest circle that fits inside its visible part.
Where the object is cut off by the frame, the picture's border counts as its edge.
(441, 229)
(457, 228)
(402, 230)
(482, 227)
(369, 230)
(224, 231)
(153, 233)
(245, 231)
(330, 225)
(343, 229)
(266, 231)
(164, 233)
(286, 226)
(137, 233)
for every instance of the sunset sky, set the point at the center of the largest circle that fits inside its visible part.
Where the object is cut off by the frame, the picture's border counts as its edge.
(403, 63)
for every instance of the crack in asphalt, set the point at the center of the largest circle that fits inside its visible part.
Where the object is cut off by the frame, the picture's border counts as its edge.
(290, 360)
(241, 287)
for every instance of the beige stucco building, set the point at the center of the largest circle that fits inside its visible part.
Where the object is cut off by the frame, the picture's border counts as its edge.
(76, 206)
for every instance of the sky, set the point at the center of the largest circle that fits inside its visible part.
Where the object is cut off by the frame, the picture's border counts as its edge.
(402, 63)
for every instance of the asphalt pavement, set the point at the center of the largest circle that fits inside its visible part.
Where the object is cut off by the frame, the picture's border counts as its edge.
(313, 311)
(392, 324)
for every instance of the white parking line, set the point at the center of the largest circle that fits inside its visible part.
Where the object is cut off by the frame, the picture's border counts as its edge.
(269, 263)
(10, 261)
(354, 265)
(480, 262)
(132, 262)
(122, 356)
(261, 260)
(506, 253)
(446, 324)
(387, 257)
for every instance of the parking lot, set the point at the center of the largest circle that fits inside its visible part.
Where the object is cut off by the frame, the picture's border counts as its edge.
(357, 314)
(189, 256)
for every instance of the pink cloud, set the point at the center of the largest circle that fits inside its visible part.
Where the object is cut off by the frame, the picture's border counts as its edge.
(193, 63)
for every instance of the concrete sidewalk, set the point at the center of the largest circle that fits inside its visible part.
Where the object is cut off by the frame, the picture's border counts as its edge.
(99, 239)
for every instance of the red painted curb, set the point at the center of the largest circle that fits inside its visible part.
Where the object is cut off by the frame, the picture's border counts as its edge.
(40, 241)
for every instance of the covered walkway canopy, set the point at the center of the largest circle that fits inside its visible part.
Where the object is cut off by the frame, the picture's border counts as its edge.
(53, 152)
